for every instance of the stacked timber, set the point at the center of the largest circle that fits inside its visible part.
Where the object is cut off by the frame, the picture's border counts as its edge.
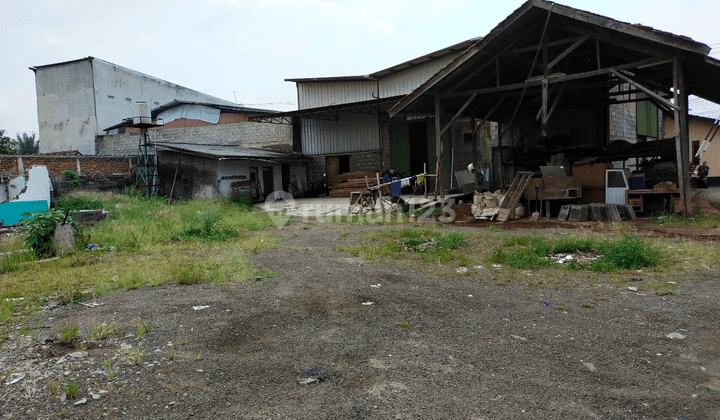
(352, 181)
(596, 212)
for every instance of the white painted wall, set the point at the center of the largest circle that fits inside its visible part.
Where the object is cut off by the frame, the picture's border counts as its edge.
(78, 100)
(38, 185)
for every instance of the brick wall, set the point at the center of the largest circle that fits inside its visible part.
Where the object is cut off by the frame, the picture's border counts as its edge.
(94, 172)
(248, 134)
(623, 118)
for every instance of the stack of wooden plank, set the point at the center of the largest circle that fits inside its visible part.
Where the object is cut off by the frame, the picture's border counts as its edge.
(352, 181)
(596, 212)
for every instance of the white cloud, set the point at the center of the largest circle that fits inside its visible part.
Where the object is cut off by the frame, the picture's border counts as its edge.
(53, 42)
(385, 26)
(144, 38)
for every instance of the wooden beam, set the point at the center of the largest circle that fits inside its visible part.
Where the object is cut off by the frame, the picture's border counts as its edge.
(550, 44)
(644, 89)
(489, 114)
(682, 134)
(457, 114)
(438, 150)
(551, 79)
(568, 51)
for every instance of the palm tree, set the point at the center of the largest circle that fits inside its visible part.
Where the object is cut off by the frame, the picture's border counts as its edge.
(27, 145)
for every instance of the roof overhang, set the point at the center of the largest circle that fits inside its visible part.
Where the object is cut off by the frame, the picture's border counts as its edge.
(229, 152)
(329, 112)
(507, 53)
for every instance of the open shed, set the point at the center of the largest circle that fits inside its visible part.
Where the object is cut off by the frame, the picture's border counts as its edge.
(550, 75)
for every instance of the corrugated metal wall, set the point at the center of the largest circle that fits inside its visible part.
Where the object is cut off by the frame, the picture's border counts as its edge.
(313, 95)
(351, 133)
(406, 81)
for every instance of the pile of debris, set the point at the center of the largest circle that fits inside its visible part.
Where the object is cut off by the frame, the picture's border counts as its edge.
(486, 205)
(578, 258)
(596, 212)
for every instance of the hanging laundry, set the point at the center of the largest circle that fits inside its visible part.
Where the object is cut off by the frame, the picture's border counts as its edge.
(420, 178)
(395, 188)
(405, 182)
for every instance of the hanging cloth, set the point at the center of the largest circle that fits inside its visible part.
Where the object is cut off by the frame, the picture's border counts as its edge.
(395, 188)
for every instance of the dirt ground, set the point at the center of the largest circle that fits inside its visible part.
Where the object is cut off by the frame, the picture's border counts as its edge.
(322, 340)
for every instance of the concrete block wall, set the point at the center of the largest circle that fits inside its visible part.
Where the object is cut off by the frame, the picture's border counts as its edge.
(247, 134)
(623, 118)
(361, 162)
(315, 168)
(385, 142)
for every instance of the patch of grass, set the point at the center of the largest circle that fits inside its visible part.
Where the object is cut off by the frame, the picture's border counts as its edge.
(171, 354)
(142, 327)
(208, 227)
(77, 203)
(431, 246)
(630, 252)
(53, 387)
(71, 389)
(403, 324)
(135, 249)
(562, 308)
(81, 346)
(101, 331)
(588, 305)
(107, 363)
(110, 375)
(189, 274)
(197, 356)
(701, 220)
(133, 355)
(67, 332)
(183, 341)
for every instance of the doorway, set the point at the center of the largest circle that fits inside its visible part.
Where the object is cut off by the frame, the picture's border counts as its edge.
(268, 180)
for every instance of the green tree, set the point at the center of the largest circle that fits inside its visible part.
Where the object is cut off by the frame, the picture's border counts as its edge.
(27, 145)
(8, 146)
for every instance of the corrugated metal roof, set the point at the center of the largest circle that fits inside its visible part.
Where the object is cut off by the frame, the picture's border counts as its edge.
(459, 47)
(226, 151)
(234, 109)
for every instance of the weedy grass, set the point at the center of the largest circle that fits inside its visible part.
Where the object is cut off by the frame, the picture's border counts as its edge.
(143, 327)
(140, 244)
(133, 355)
(428, 245)
(629, 252)
(71, 389)
(67, 332)
(701, 220)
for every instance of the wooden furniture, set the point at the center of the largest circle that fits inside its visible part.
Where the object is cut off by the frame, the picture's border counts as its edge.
(249, 188)
(653, 199)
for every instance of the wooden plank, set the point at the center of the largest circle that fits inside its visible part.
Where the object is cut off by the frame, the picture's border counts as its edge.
(554, 79)
(644, 89)
(567, 51)
(457, 114)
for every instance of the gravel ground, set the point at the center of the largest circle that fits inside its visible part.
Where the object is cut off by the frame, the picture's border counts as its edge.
(307, 344)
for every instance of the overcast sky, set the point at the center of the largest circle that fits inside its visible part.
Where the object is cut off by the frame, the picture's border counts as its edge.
(246, 48)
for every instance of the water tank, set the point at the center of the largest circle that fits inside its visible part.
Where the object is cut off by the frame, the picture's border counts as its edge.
(142, 109)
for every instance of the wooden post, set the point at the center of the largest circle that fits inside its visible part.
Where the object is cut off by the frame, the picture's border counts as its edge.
(452, 166)
(681, 133)
(377, 176)
(438, 149)
(426, 178)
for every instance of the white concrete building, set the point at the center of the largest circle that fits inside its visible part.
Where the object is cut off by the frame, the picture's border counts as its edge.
(78, 99)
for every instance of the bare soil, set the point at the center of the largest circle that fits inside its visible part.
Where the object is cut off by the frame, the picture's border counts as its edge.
(307, 344)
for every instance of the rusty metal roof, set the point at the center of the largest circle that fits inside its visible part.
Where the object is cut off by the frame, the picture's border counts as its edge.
(223, 152)
(233, 109)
